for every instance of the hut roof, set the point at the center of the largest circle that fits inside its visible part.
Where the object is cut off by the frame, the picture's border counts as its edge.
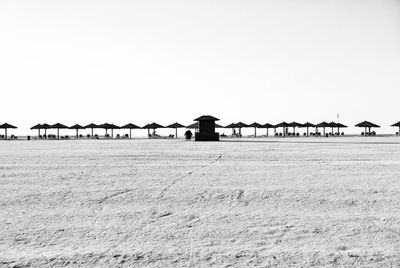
(366, 124)
(396, 124)
(206, 117)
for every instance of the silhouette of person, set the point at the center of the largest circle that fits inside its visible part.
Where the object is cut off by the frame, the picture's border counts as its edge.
(188, 135)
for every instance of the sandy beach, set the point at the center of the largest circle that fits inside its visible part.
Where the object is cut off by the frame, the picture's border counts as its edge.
(171, 203)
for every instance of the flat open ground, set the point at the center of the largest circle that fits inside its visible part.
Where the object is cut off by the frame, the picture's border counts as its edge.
(162, 203)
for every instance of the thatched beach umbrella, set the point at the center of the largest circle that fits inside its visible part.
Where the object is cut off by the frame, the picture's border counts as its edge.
(283, 125)
(255, 125)
(130, 126)
(153, 126)
(332, 125)
(58, 126)
(92, 126)
(268, 126)
(323, 125)
(176, 126)
(108, 126)
(294, 125)
(308, 125)
(339, 126)
(38, 127)
(232, 126)
(396, 125)
(6, 126)
(240, 125)
(45, 127)
(77, 127)
(367, 124)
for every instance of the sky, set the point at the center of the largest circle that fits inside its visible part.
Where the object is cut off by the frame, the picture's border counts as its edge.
(166, 61)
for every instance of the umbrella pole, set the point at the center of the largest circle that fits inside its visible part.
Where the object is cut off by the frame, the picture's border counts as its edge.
(148, 133)
(176, 133)
(307, 131)
(112, 133)
(38, 133)
(6, 133)
(130, 133)
(324, 131)
(58, 133)
(45, 133)
(92, 133)
(267, 132)
(255, 132)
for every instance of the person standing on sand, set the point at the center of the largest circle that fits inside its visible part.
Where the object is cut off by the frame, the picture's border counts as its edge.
(188, 135)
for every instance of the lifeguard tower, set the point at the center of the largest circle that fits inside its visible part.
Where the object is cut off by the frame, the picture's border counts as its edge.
(206, 130)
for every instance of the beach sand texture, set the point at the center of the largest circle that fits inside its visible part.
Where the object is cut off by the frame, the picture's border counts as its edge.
(171, 203)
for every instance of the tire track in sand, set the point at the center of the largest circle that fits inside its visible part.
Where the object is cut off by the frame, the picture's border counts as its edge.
(188, 174)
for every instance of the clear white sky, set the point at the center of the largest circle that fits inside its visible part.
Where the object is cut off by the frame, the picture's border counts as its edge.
(166, 61)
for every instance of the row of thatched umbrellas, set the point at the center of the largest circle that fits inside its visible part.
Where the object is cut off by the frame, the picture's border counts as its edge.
(239, 125)
(285, 125)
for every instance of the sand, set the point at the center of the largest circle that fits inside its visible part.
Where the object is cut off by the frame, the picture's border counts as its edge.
(171, 203)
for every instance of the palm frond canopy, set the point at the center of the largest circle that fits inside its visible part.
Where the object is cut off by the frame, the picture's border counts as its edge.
(268, 125)
(323, 124)
(76, 126)
(152, 126)
(6, 125)
(332, 124)
(91, 125)
(175, 125)
(233, 125)
(45, 126)
(308, 124)
(241, 124)
(58, 125)
(38, 126)
(255, 124)
(108, 126)
(295, 124)
(130, 126)
(283, 124)
(366, 124)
